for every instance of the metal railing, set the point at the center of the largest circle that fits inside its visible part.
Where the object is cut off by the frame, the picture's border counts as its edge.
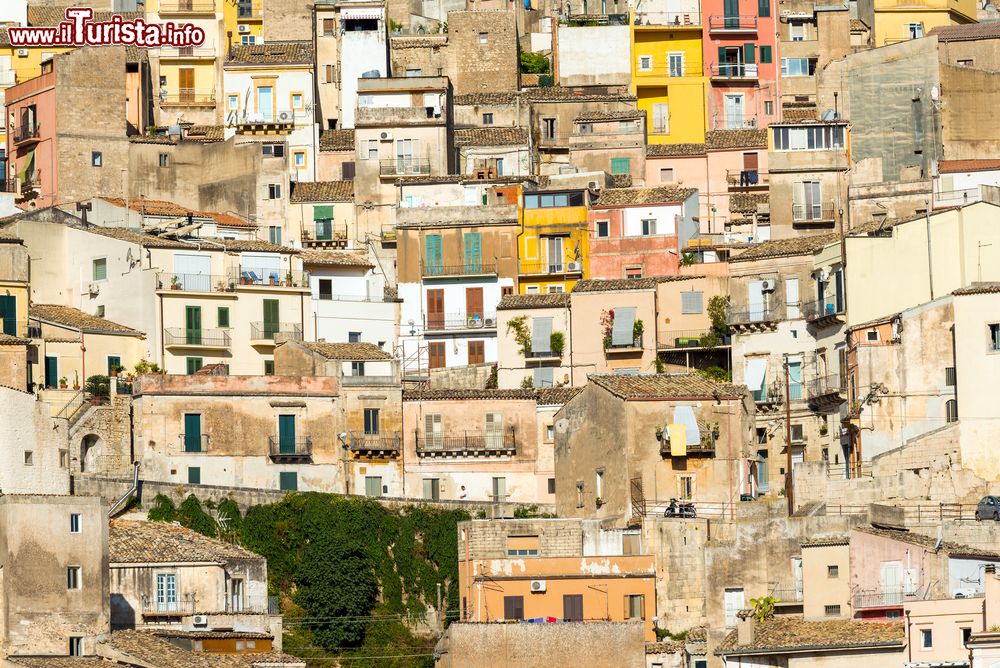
(26, 132)
(636, 342)
(258, 276)
(770, 394)
(734, 70)
(248, 12)
(195, 282)
(186, 6)
(260, 331)
(962, 196)
(746, 178)
(253, 605)
(815, 212)
(787, 594)
(404, 167)
(8, 185)
(183, 96)
(748, 315)
(193, 443)
(22, 328)
(822, 308)
(278, 448)
(884, 598)
(732, 23)
(705, 446)
(691, 338)
(543, 268)
(368, 380)
(668, 19)
(386, 442)
(460, 321)
(824, 386)
(187, 52)
(151, 608)
(209, 338)
(330, 297)
(472, 268)
(467, 442)
(314, 237)
(540, 354)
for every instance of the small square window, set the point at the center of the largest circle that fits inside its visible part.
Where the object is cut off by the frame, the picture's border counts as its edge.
(354, 337)
(73, 579)
(552, 485)
(296, 100)
(64, 459)
(550, 433)
(268, 367)
(222, 317)
(768, 108)
(76, 645)
(645, 63)
(288, 481)
(100, 311)
(666, 175)
(833, 571)
(74, 523)
(603, 229)
(872, 335)
(633, 272)
(29, 458)
(487, 119)
(484, 37)
(926, 639)
(357, 368)
(300, 159)
(831, 610)
(233, 102)
(194, 475)
(274, 191)
(96, 159)
(164, 160)
(413, 71)
(99, 269)
(620, 165)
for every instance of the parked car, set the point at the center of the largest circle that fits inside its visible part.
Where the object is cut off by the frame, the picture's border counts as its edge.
(988, 508)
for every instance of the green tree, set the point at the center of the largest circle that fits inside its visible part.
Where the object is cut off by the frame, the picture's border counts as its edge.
(534, 63)
(191, 515)
(162, 510)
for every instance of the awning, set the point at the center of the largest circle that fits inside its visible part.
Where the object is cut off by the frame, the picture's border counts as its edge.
(756, 369)
(322, 213)
(621, 330)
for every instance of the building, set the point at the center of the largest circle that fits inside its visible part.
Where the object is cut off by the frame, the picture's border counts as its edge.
(611, 142)
(336, 156)
(533, 340)
(162, 576)
(321, 215)
(492, 152)
(613, 435)
(960, 182)
(570, 570)
(55, 588)
(894, 24)
(14, 285)
(942, 631)
(553, 246)
(794, 642)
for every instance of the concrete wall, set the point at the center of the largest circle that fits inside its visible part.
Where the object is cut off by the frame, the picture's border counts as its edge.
(976, 366)
(820, 586)
(483, 62)
(26, 426)
(286, 19)
(976, 88)
(593, 56)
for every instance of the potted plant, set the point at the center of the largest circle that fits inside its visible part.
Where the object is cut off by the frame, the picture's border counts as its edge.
(557, 343)
(637, 329)
(823, 429)
(175, 283)
(76, 380)
(659, 434)
(273, 279)
(288, 279)
(62, 383)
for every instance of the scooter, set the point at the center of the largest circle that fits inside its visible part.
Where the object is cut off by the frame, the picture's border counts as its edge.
(683, 509)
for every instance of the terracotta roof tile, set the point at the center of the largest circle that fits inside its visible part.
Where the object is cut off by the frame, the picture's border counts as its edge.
(619, 115)
(206, 133)
(77, 319)
(786, 247)
(39, 15)
(549, 396)
(967, 32)
(8, 340)
(858, 26)
(619, 180)
(616, 284)
(799, 114)
(272, 53)
(418, 41)
(151, 241)
(501, 98)
(658, 195)
(152, 648)
(495, 136)
(348, 351)
(979, 288)
(674, 150)
(664, 386)
(139, 542)
(159, 207)
(551, 300)
(336, 140)
(981, 165)
(334, 258)
(747, 202)
(930, 543)
(560, 94)
(151, 139)
(322, 191)
(60, 662)
(786, 633)
(742, 138)
(555, 396)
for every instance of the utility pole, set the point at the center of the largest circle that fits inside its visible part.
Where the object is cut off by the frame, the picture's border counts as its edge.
(789, 492)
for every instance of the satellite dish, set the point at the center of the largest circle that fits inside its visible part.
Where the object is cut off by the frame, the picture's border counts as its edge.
(829, 115)
(935, 93)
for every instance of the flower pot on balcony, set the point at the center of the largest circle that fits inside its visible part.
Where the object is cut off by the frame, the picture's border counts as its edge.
(273, 280)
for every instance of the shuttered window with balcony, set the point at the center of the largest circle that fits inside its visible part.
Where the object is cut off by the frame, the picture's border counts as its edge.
(623, 326)
(433, 431)
(494, 430)
(541, 335)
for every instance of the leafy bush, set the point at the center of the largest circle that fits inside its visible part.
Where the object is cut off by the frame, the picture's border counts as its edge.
(97, 386)
(557, 343)
(162, 510)
(716, 373)
(534, 63)
(527, 383)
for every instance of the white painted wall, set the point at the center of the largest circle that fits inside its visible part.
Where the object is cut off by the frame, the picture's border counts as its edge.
(357, 306)
(665, 217)
(360, 52)
(592, 55)
(26, 425)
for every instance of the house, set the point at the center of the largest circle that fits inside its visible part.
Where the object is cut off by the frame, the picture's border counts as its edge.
(892, 26)
(167, 577)
(575, 571)
(661, 436)
(335, 160)
(162, 216)
(66, 609)
(481, 445)
(321, 215)
(532, 340)
(454, 264)
(960, 182)
(166, 647)
(610, 141)
(492, 151)
(13, 285)
(553, 246)
(943, 631)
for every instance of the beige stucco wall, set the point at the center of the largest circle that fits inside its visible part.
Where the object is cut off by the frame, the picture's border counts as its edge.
(589, 355)
(977, 368)
(945, 618)
(820, 588)
(512, 366)
(27, 426)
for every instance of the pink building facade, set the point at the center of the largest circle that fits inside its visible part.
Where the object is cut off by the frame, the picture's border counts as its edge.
(32, 145)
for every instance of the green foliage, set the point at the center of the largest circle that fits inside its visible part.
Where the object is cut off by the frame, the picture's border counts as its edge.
(763, 607)
(534, 63)
(336, 580)
(557, 343)
(162, 510)
(395, 26)
(145, 366)
(661, 366)
(527, 383)
(687, 259)
(191, 515)
(718, 309)
(638, 327)
(230, 522)
(546, 81)
(716, 373)
(519, 326)
(662, 634)
(96, 386)
(524, 512)
(491, 382)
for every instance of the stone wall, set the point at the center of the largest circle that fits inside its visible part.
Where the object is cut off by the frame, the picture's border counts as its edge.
(473, 376)
(287, 20)
(557, 538)
(483, 47)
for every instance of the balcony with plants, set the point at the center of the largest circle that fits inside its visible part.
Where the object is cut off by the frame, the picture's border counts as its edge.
(617, 340)
(540, 348)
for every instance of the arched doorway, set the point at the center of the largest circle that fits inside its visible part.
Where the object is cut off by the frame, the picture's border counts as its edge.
(91, 449)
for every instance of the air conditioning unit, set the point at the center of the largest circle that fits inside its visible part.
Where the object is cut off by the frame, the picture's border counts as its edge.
(491, 322)
(93, 289)
(200, 620)
(285, 116)
(242, 29)
(22, 53)
(537, 586)
(572, 266)
(474, 322)
(767, 286)
(385, 136)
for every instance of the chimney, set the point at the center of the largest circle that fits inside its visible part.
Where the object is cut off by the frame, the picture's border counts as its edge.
(745, 622)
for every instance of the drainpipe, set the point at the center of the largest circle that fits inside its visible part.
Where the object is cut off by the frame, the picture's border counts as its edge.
(930, 268)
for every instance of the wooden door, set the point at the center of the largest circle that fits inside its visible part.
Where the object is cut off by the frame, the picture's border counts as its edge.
(436, 355)
(435, 309)
(474, 303)
(192, 325)
(185, 77)
(270, 318)
(477, 352)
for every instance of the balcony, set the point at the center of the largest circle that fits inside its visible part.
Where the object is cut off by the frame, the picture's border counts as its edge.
(746, 179)
(187, 53)
(813, 214)
(26, 133)
(823, 313)
(691, 339)
(201, 339)
(195, 282)
(825, 391)
(361, 381)
(706, 446)
(770, 395)
(166, 609)
(253, 605)
(668, 19)
(282, 450)
(757, 318)
(187, 7)
(474, 268)
(375, 445)
(460, 321)
(404, 167)
(631, 347)
(8, 185)
(542, 355)
(550, 268)
(245, 12)
(467, 444)
(732, 24)
(892, 597)
(188, 97)
(734, 71)
(787, 596)
(192, 443)
(270, 278)
(335, 237)
(264, 333)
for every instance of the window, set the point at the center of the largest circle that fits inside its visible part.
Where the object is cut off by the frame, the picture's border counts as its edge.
(831, 610)
(96, 159)
(763, 7)
(288, 481)
(487, 119)
(732, 603)
(768, 105)
(326, 288)
(798, 67)
(645, 63)
(795, 393)
(100, 311)
(274, 191)
(164, 160)
(328, 28)
(477, 352)
(484, 37)
(685, 487)
(76, 646)
(635, 606)
(572, 607)
(73, 579)
(966, 635)
(552, 486)
(523, 546)
(964, 62)
(675, 64)
(432, 489)
(633, 272)
(194, 475)
(248, 39)
(553, 200)
(915, 30)
(357, 368)
(648, 227)
(274, 234)
(626, 126)
(268, 367)
(550, 433)
(300, 159)
(806, 201)
(666, 175)
(74, 523)
(513, 607)
(373, 486)
(692, 302)
(833, 571)
(222, 316)
(949, 376)
(64, 459)
(413, 71)
(331, 77)
(602, 229)
(661, 118)
(619, 165)
(373, 149)
(586, 128)
(436, 354)
(811, 138)
(297, 101)
(549, 128)
(765, 54)
(599, 483)
(29, 458)
(273, 150)
(872, 336)
(99, 269)
(761, 435)
(499, 490)
(951, 410)
(354, 337)
(926, 639)
(796, 31)
(193, 364)
(994, 341)
(371, 421)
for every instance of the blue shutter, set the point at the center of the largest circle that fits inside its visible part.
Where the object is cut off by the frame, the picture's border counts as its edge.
(473, 253)
(432, 254)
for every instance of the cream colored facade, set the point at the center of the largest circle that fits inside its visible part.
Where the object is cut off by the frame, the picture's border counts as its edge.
(938, 629)
(539, 317)
(977, 363)
(825, 584)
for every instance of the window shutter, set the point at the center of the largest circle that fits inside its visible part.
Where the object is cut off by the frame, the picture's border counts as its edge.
(542, 376)
(748, 52)
(322, 212)
(541, 335)
(432, 431)
(764, 7)
(691, 302)
(765, 54)
(621, 329)
(722, 55)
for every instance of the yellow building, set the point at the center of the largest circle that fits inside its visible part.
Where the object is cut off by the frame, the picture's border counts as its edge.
(900, 20)
(553, 249)
(668, 79)
(249, 20)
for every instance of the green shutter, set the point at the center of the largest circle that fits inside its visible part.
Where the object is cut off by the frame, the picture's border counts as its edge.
(270, 318)
(192, 325)
(322, 213)
(193, 364)
(722, 57)
(764, 7)
(619, 165)
(288, 481)
(432, 253)
(192, 432)
(51, 371)
(748, 52)
(8, 314)
(223, 316)
(286, 434)
(113, 361)
(765, 54)
(473, 244)
(194, 475)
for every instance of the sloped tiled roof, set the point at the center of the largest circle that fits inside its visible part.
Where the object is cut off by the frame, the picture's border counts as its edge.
(665, 386)
(60, 662)
(747, 202)
(334, 258)
(742, 138)
(786, 247)
(272, 53)
(206, 133)
(548, 396)
(418, 41)
(560, 94)
(140, 542)
(336, 140)
(956, 166)
(616, 284)
(658, 195)
(555, 396)
(979, 288)
(9, 340)
(348, 351)
(674, 150)
(551, 300)
(799, 113)
(493, 136)
(492, 98)
(39, 15)
(159, 207)
(619, 180)
(152, 648)
(967, 32)
(77, 319)
(620, 115)
(858, 26)
(787, 633)
(930, 543)
(151, 241)
(322, 191)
